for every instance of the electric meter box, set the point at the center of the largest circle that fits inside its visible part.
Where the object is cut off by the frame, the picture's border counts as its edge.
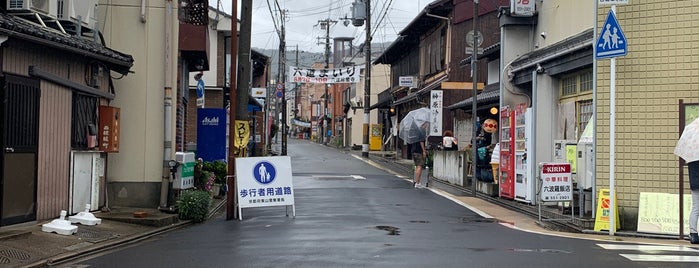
(184, 177)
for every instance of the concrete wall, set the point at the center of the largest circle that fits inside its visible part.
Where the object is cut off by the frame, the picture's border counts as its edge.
(140, 94)
(662, 67)
(380, 80)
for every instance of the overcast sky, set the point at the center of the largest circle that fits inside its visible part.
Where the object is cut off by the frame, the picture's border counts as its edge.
(388, 18)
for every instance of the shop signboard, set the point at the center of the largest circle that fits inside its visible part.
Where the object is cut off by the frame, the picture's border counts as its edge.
(211, 134)
(556, 182)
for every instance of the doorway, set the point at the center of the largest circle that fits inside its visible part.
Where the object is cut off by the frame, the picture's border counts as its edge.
(20, 138)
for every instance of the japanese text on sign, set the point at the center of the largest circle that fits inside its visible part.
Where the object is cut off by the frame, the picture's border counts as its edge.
(324, 76)
(556, 182)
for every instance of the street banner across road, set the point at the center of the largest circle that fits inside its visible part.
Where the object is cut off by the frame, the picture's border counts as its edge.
(324, 76)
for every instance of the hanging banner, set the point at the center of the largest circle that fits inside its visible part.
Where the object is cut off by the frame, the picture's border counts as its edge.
(436, 112)
(324, 76)
(242, 133)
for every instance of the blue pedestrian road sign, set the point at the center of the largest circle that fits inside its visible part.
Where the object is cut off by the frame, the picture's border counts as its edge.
(611, 42)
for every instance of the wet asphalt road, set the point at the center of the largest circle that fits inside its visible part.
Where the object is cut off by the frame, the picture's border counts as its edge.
(372, 219)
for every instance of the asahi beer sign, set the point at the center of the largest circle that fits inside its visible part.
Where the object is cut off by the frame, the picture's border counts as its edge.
(324, 76)
(211, 134)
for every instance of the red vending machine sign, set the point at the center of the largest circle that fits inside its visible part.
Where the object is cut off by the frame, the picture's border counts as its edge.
(507, 153)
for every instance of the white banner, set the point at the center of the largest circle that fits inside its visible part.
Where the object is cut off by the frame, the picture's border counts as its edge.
(436, 112)
(324, 76)
(264, 181)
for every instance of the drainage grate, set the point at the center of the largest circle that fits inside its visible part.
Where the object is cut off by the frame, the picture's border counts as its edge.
(4, 260)
(472, 219)
(390, 229)
(91, 233)
(419, 221)
(15, 254)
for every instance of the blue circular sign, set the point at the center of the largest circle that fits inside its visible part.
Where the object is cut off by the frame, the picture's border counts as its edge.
(280, 94)
(200, 88)
(264, 172)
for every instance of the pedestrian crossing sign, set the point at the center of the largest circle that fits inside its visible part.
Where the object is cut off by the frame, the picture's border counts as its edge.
(611, 42)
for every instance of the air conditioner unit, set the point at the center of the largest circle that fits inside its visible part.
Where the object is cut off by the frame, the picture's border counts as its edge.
(44, 7)
(78, 11)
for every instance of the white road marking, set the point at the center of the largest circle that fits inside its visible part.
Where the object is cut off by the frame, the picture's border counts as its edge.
(647, 247)
(661, 258)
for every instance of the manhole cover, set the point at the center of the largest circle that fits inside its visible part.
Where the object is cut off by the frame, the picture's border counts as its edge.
(15, 254)
(88, 234)
(390, 229)
(477, 219)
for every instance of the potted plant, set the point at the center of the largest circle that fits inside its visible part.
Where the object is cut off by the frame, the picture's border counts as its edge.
(219, 170)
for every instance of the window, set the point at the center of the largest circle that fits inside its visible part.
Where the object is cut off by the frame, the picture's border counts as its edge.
(576, 84)
(84, 120)
(584, 113)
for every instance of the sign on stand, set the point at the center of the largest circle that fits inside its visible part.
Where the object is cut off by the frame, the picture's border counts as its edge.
(264, 182)
(556, 183)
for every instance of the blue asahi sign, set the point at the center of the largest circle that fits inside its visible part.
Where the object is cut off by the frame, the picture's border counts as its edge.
(211, 134)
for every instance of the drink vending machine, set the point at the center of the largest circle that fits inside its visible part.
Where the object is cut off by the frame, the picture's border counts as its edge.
(525, 180)
(507, 168)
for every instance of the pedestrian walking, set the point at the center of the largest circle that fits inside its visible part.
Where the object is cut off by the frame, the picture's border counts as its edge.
(688, 149)
(419, 157)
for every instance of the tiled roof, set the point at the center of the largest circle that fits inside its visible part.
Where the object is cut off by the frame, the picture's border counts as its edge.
(16, 27)
(490, 94)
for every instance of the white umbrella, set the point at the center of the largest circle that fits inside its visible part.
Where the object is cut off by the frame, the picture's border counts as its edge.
(414, 126)
(688, 144)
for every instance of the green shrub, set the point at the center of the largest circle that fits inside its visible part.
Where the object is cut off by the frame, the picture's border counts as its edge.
(219, 168)
(193, 205)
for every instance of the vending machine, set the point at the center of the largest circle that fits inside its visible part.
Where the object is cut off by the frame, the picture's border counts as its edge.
(507, 155)
(525, 182)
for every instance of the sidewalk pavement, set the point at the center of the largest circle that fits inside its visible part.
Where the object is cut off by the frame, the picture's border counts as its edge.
(25, 245)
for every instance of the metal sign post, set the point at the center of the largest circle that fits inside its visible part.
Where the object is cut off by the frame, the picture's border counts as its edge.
(611, 44)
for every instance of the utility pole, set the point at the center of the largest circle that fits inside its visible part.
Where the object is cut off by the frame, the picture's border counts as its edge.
(326, 120)
(282, 80)
(367, 80)
(296, 88)
(474, 104)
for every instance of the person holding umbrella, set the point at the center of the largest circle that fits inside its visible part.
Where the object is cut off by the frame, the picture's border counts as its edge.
(413, 130)
(688, 149)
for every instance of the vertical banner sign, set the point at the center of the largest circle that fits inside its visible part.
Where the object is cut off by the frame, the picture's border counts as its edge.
(211, 134)
(242, 133)
(556, 182)
(264, 182)
(436, 113)
(200, 93)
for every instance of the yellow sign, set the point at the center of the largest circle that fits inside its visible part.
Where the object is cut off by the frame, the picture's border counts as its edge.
(659, 213)
(375, 138)
(461, 85)
(603, 210)
(572, 156)
(242, 133)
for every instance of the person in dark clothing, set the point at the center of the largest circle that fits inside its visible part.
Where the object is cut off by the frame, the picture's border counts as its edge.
(419, 156)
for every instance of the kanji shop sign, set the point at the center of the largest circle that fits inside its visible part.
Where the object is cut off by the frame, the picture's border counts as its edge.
(324, 76)
(556, 182)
